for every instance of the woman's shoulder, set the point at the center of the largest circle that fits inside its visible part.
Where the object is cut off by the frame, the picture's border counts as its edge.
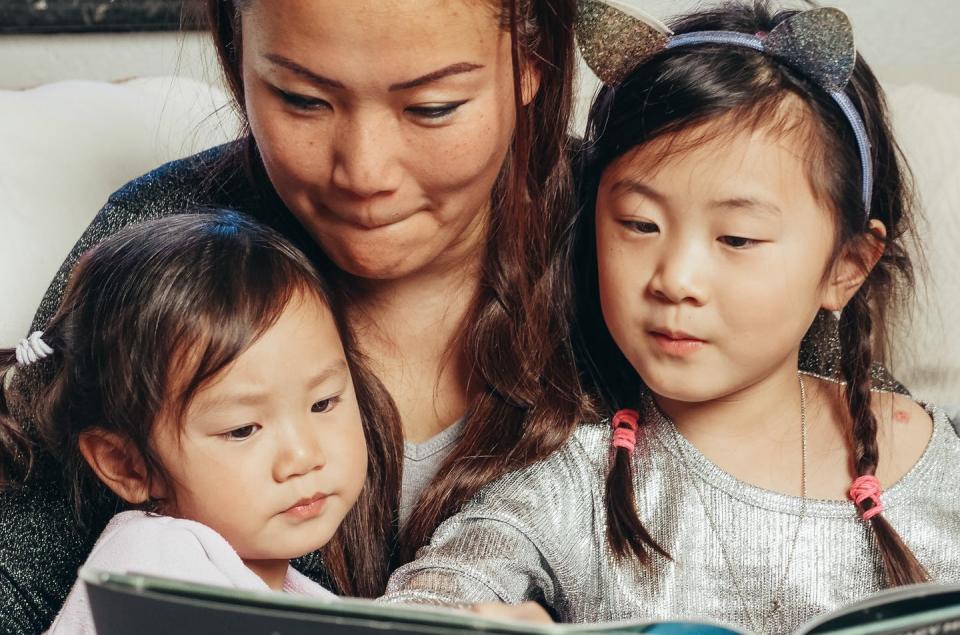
(186, 182)
(212, 178)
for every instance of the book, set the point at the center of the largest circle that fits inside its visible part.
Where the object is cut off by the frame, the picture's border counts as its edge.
(124, 603)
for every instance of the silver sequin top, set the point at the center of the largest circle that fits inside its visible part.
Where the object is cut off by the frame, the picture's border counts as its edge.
(538, 533)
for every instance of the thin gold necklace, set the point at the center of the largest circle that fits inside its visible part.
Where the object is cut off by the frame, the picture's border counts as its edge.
(775, 606)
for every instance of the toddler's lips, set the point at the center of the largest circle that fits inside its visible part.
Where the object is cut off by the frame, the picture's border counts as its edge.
(307, 507)
(677, 343)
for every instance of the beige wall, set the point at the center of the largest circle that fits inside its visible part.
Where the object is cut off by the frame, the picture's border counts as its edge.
(913, 41)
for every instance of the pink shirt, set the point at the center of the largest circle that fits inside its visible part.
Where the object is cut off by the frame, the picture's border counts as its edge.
(137, 542)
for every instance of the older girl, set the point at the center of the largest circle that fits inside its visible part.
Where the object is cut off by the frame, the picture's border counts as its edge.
(741, 180)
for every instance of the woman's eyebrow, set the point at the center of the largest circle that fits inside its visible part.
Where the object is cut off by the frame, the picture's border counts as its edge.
(447, 71)
(306, 73)
(320, 80)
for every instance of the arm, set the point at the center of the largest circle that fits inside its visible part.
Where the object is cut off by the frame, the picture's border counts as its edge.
(528, 536)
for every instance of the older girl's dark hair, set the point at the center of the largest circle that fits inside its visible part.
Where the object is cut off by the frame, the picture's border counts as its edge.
(205, 287)
(517, 336)
(680, 89)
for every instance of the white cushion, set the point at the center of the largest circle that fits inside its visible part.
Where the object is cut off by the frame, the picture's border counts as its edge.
(65, 147)
(927, 342)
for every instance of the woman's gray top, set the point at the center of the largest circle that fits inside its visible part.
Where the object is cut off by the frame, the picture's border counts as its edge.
(538, 534)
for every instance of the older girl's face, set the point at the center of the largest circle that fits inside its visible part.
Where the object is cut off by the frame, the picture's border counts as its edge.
(382, 124)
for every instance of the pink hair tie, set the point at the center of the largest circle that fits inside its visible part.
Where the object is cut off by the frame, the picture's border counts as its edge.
(867, 487)
(624, 424)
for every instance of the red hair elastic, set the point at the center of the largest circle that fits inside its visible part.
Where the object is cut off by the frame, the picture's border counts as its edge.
(867, 487)
(624, 424)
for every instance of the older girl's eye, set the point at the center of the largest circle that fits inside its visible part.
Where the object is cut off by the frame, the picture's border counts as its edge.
(738, 242)
(435, 112)
(241, 433)
(325, 405)
(302, 102)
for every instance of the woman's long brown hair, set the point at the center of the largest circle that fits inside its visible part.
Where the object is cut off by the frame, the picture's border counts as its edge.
(210, 284)
(684, 88)
(517, 337)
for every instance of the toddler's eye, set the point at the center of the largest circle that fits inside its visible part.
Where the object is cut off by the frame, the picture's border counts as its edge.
(325, 405)
(241, 433)
(642, 227)
(737, 242)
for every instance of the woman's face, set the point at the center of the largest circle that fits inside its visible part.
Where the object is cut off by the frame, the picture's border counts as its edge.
(382, 124)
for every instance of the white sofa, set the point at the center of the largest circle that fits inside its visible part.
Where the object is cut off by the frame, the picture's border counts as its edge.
(65, 147)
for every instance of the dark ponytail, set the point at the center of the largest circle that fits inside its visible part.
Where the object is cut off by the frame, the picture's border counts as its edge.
(16, 450)
(626, 535)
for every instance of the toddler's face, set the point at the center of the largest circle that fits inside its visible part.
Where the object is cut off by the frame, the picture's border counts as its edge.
(272, 454)
(712, 264)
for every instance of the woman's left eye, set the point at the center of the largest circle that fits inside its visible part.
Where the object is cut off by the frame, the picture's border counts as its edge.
(325, 405)
(438, 111)
(738, 242)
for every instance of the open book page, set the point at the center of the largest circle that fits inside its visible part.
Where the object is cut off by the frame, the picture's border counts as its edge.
(917, 608)
(125, 603)
(130, 603)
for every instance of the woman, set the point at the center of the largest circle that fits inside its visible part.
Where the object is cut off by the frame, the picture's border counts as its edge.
(416, 150)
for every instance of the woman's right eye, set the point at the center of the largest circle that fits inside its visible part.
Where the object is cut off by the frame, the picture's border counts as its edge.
(241, 433)
(302, 102)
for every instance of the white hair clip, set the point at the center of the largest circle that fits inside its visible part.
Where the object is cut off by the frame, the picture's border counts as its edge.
(32, 349)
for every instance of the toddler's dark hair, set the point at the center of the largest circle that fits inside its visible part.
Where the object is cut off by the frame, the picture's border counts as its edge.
(203, 287)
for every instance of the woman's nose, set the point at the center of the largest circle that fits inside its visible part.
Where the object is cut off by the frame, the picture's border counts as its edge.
(365, 155)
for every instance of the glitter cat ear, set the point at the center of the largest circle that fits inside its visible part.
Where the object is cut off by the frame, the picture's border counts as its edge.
(614, 37)
(819, 43)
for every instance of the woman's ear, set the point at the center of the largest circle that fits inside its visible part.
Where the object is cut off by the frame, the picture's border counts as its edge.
(853, 267)
(529, 82)
(117, 464)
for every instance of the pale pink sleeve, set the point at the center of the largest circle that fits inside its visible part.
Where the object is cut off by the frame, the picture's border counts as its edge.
(143, 545)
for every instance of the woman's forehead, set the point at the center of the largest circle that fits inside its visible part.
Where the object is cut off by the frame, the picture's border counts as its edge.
(374, 34)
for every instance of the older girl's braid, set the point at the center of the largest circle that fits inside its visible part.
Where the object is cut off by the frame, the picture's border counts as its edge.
(900, 566)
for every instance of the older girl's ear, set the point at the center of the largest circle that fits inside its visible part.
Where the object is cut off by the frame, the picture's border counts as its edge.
(117, 464)
(853, 267)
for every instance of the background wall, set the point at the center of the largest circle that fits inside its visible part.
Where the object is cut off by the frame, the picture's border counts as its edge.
(905, 42)
(30, 60)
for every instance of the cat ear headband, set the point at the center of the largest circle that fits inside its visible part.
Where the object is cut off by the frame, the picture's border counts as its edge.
(615, 37)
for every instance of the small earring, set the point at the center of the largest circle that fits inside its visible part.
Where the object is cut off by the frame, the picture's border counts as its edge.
(152, 506)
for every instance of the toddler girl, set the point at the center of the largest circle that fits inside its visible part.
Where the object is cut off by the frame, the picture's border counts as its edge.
(741, 183)
(200, 372)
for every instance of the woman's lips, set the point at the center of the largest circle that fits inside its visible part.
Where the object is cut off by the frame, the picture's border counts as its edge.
(676, 344)
(307, 508)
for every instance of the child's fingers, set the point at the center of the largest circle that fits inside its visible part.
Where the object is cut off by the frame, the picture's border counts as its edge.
(526, 612)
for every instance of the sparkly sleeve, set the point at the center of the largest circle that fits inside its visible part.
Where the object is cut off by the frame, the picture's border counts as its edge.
(529, 536)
